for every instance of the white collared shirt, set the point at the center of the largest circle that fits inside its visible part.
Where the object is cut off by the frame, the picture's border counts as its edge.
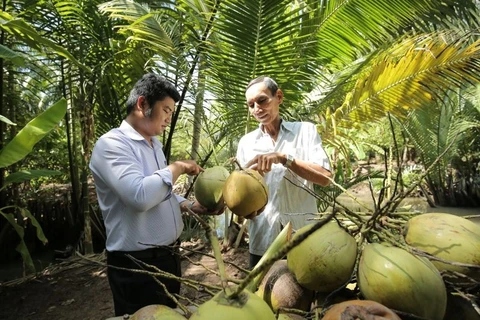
(134, 190)
(286, 202)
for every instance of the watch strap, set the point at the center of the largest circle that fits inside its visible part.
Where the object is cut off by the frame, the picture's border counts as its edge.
(290, 159)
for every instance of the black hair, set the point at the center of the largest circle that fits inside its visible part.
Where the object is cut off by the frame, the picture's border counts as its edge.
(269, 83)
(154, 88)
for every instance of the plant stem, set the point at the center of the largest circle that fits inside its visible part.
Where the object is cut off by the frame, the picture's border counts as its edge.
(215, 247)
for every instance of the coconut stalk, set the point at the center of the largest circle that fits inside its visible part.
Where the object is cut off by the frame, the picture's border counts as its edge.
(240, 234)
(215, 247)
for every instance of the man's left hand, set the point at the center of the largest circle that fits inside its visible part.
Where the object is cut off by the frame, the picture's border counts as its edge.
(199, 209)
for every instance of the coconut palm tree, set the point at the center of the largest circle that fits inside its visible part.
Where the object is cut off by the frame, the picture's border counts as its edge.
(340, 63)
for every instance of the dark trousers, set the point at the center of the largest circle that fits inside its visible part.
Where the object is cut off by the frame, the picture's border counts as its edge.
(132, 291)
(254, 260)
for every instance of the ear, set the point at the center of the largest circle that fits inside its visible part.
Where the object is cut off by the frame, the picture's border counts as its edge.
(279, 94)
(140, 103)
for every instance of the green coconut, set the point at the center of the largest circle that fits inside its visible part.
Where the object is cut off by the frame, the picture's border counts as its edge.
(448, 237)
(245, 192)
(324, 261)
(280, 289)
(289, 316)
(401, 281)
(246, 306)
(208, 187)
(156, 312)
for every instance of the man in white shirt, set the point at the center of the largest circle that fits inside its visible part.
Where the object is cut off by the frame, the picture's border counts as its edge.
(134, 188)
(279, 149)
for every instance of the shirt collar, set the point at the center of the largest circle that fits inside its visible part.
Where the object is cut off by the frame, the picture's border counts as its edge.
(284, 124)
(133, 134)
(289, 126)
(130, 132)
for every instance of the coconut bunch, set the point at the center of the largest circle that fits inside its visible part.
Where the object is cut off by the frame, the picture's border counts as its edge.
(416, 265)
(244, 301)
(391, 275)
(392, 264)
(412, 265)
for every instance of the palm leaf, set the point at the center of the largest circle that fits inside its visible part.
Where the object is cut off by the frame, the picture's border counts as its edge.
(15, 57)
(144, 24)
(426, 67)
(26, 33)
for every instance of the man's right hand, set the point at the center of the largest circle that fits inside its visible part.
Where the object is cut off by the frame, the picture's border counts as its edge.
(190, 167)
(180, 167)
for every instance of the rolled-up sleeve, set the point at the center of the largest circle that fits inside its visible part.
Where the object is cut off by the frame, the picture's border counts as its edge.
(118, 167)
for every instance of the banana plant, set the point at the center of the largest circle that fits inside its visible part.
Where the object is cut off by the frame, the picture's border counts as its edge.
(17, 149)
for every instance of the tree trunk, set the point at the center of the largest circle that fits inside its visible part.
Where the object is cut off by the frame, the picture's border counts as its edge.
(71, 152)
(87, 130)
(2, 111)
(199, 111)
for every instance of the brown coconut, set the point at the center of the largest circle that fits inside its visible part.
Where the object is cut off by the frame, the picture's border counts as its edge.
(360, 309)
(280, 289)
(208, 187)
(156, 312)
(245, 192)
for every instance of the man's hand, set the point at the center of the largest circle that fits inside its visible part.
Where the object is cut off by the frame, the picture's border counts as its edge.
(196, 207)
(180, 167)
(263, 162)
(190, 167)
(255, 213)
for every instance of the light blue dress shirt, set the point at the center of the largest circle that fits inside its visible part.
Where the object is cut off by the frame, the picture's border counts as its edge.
(134, 190)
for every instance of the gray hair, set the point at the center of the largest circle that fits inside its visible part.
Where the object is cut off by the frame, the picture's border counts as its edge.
(269, 83)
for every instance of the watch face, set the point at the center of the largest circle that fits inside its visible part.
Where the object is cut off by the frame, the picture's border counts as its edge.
(289, 160)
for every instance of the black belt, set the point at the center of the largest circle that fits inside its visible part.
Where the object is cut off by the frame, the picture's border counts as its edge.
(155, 252)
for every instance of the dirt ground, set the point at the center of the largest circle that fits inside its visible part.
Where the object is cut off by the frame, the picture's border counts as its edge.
(77, 288)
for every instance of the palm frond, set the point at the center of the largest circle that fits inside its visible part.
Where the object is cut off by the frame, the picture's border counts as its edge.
(417, 72)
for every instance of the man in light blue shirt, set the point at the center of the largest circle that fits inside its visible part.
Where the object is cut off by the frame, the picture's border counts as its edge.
(134, 188)
(279, 149)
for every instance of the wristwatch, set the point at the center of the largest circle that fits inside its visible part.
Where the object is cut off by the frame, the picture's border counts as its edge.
(290, 159)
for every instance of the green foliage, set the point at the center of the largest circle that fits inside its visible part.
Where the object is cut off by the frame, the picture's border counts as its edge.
(22, 247)
(10, 55)
(341, 64)
(20, 146)
(447, 128)
(27, 34)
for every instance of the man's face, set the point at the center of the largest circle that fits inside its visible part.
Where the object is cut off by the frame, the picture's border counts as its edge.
(160, 117)
(262, 104)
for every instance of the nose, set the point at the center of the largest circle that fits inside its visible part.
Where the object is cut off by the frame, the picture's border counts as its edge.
(256, 107)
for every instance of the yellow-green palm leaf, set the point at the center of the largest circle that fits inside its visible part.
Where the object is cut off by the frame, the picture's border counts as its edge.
(409, 77)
